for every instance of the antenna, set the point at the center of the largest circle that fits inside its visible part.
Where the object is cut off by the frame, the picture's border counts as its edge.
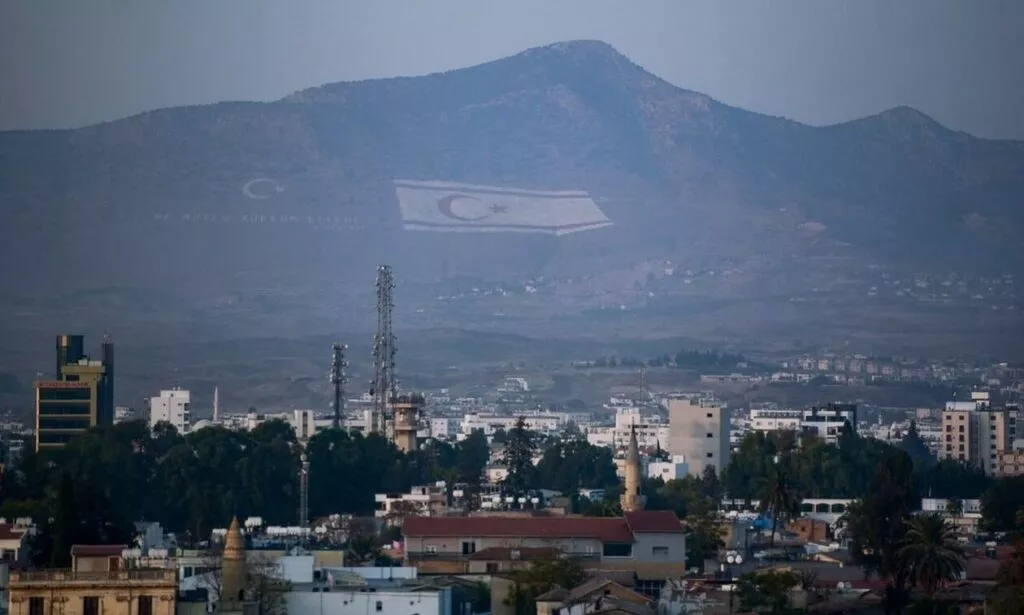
(384, 385)
(304, 492)
(216, 404)
(643, 385)
(337, 377)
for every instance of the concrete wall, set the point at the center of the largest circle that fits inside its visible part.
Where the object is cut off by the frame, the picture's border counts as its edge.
(370, 603)
(659, 548)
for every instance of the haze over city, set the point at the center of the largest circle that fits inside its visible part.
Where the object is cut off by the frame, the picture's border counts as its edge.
(511, 308)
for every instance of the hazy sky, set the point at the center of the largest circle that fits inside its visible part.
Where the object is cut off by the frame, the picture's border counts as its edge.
(76, 62)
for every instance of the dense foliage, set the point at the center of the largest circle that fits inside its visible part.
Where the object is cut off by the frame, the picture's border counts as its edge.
(109, 478)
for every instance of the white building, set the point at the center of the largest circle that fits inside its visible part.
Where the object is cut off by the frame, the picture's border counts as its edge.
(443, 428)
(767, 420)
(422, 500)
(171, 407)
(675, 469)
(699, 431)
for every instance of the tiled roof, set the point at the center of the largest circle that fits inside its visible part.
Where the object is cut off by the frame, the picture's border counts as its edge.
(9, 532)
(606, 529)
(97, 550)
(654, 521)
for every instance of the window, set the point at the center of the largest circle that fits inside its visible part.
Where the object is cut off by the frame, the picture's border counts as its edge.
(711, 435)
(91, 605)
(617, 550)
(145, 605)
(431, 548)
(492, 567)
(380, 606)
(468, 547)
(35, 606)
(710, 455)
(656, 552)
(710, 415)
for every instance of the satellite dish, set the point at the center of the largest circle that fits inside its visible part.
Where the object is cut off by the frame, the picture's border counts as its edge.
(731, 558)
(739, 559)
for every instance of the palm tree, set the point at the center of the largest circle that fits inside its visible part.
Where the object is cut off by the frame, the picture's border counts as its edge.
(929, 554)
(777, 493)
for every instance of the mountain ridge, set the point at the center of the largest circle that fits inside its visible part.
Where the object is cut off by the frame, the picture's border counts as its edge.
(164, 196)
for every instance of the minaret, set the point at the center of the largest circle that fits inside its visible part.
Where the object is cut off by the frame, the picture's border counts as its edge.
(216, 404)
(233, 574)
(631, 499)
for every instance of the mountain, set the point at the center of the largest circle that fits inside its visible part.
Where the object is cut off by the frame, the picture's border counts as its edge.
(255, 212)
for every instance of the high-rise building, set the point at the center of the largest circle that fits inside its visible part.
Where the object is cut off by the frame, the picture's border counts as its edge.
(699, 431)
(976, 433)
(171, 407)
(81, 396)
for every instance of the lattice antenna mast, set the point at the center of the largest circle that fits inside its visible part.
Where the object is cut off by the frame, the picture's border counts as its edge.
(304, 492)
(385, 385)
(643, 385)
(337, 376)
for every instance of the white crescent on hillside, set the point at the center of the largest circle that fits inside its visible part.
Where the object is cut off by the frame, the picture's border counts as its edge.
(261, 188)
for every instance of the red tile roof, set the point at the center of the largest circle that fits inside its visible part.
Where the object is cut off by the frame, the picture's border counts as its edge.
(9, 532)
(97, 550)
(654, 521)
(606, 529)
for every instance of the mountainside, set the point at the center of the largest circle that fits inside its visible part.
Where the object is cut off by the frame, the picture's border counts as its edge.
(262, 209)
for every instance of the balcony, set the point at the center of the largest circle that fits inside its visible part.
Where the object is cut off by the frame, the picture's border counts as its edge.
(112, 577)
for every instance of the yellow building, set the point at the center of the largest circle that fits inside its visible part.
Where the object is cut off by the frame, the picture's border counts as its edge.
(81, 396)
(96, 584)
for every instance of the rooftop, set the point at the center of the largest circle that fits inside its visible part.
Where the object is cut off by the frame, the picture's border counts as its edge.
(606, 529)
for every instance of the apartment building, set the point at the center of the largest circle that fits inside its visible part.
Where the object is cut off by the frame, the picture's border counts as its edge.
(699, 432)
(973, 432)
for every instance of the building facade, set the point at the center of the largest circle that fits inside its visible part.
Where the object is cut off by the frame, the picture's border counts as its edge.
(171, 407)
(81, 396)
(975, 433)
(647, 542)
(96, 584)
(699, 432)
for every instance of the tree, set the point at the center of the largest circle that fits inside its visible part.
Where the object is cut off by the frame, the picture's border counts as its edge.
(1008, 598)
(954, 507)
(519, 450)
(877, 526)
(914, 446)
(778, 494)
(929, 554)
(704, 541)
(65, 529)
(542, 576)
(1001, 502)
(575, 464)
(769, 589)
(264, 584)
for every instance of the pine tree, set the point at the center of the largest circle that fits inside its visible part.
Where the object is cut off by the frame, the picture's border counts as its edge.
(519, 450)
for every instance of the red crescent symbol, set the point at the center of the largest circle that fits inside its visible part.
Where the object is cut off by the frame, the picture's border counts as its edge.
(444, 205)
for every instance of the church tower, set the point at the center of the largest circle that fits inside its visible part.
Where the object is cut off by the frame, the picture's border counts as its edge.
(631, 499)
(233, 573)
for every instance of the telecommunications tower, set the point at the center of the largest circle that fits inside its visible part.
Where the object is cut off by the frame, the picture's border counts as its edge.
(337, 377)
(384, 386)
(304, 492)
